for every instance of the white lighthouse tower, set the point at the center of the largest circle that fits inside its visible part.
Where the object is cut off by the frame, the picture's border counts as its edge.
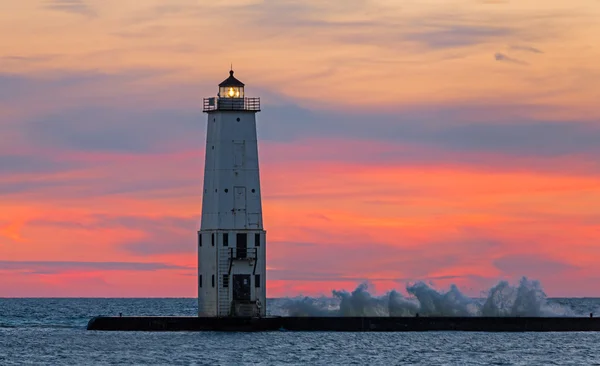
(231, 240)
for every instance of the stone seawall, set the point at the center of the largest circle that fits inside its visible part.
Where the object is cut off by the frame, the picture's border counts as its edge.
(346, 324)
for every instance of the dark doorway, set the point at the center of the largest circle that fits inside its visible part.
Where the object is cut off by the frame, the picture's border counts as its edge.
(241, 243)
(241, 287)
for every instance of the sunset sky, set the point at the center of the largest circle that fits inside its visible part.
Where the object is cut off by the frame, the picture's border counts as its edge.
(449, 141)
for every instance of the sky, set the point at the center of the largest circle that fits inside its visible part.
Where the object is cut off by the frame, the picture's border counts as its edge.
(451, 142)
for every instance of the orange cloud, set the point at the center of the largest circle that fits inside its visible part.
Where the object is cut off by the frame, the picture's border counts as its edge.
(330, 221)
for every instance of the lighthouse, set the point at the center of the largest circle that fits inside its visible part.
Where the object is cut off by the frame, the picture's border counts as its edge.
(231, 240)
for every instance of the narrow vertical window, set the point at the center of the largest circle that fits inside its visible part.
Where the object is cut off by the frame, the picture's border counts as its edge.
(199, 239)
(257, 280)
(225, 239)
(225, 280)
(212, 239)
(257, 240)
(200, 281)
(213, 280)
(241, 243)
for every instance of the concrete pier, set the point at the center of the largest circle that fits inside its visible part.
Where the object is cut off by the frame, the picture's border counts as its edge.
(346, 324)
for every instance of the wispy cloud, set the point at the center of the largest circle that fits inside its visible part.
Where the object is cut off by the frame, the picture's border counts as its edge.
(532, 265)
(52, 267)
(25, 164)
(160, 235)
(361, 22)
(376, 260)
(70, 6)
(118, 130)
(27, 59)
(457, 35)
(504, 58)
(526, 49)
(444, 128)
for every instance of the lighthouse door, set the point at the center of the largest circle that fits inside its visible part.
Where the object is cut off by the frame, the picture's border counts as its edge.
(241, 287)
(239, 207)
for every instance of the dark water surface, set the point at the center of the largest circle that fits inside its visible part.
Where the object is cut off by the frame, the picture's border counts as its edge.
(52, 332)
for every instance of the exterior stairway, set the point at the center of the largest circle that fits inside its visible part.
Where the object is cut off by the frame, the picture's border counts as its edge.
(224, 308)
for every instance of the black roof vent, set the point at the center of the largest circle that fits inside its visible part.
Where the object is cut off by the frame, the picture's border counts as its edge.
(231, 81)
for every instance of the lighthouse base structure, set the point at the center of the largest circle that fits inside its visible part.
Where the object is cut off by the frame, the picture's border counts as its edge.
(347, 324)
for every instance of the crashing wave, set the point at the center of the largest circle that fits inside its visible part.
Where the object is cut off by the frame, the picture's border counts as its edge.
(503, 300)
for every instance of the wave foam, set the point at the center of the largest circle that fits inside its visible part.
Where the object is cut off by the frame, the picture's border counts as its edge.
(525, 299)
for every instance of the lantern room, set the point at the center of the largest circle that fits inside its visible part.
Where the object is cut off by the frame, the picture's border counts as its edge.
(231, 97)
(231, 87)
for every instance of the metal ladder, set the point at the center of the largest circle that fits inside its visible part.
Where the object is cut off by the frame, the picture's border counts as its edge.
(224, 301)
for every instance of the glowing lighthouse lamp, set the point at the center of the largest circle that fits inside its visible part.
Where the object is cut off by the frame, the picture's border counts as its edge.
(231, 240)
(232, 91)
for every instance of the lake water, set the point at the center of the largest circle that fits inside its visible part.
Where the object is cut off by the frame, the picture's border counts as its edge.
(52, 332)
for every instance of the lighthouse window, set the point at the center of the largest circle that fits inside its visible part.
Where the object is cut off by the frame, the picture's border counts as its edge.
(225, 281)
(253, 190)
(213, 280)
(238, 119)
(199, 240)
(241, 243)
(257, 240)
(256, 280)
(226, 190)
(225, 240)
(212, 239)
(200, 281)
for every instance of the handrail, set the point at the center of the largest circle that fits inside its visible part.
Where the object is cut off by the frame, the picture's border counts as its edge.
(242, 253)
(231, 104)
